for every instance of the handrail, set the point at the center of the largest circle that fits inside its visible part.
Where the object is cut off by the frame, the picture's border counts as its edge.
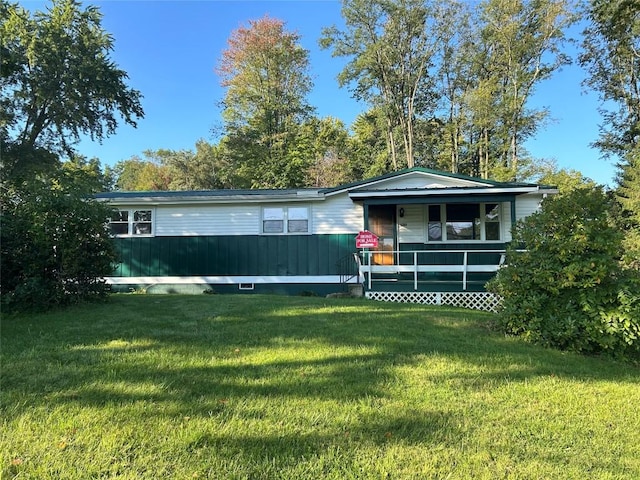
(348, 268)
(366, 267)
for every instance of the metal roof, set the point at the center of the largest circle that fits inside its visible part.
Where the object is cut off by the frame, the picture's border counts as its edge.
(355, 189)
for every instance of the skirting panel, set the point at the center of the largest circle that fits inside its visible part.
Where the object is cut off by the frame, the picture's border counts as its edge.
(486, 301)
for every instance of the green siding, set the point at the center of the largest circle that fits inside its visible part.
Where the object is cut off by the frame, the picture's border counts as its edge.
(233, 255)
(451, 258)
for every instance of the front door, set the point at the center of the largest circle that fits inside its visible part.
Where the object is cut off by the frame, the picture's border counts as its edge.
(382, 221)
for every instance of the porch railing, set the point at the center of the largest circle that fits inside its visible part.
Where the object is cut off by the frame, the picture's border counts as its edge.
(428, 261)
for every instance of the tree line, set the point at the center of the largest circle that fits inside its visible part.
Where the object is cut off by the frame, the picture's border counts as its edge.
(447, 85)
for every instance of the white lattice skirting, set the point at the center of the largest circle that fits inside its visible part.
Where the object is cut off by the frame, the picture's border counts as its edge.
(474, 300)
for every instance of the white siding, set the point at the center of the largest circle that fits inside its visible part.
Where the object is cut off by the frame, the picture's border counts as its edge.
(411, 227)
(338, 214)
(207, 220)
(527, 204)
(419, 180)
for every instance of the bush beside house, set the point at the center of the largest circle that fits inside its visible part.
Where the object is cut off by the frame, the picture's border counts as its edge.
(567, 288)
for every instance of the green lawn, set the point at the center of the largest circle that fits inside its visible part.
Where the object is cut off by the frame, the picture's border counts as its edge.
(261, 387)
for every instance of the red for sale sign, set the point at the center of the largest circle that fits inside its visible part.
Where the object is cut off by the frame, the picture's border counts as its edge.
(366, 239)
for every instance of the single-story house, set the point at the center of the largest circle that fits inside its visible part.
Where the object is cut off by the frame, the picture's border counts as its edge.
(441, 236)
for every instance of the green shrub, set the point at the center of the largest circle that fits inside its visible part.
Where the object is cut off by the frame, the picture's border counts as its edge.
(563, 285)
(55, 246)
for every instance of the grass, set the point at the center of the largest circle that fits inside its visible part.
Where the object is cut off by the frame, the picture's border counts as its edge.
(260, 387)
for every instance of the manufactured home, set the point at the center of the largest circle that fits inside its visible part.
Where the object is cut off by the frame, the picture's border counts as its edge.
(440, 237)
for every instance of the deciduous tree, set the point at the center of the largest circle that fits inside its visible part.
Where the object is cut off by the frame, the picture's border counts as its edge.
(611, 56)
(390, 46)
(58, 81)
(519, 44)
(265, 71)
(54, 243)
(628, 194)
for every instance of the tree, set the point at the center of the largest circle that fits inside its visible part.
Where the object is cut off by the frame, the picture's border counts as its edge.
(265, 72)
(137, 174)
(611, 56)
(454, 80)
(368, 145)
(88, 175)
(566, 288)
(206, 168)
(566, 180)
(328, 141)
(519, 45)
(628, 194)
(439, 78)
(390, 46)
(58, 81)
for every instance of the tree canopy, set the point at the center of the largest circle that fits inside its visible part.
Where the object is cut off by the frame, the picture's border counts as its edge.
(58, 81)
(611, 56)
(437, 77)
(265, 71)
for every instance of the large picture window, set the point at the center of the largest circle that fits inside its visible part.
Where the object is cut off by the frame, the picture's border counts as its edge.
(131, 222)
(463, 222)
(283, 220)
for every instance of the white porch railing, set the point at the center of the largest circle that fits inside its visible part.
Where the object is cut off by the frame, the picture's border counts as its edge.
(367, 268)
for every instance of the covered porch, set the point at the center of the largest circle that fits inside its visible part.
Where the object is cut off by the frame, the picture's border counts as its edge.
(435, 243)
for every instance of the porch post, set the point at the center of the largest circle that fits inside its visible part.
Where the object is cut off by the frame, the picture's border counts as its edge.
(366, 216)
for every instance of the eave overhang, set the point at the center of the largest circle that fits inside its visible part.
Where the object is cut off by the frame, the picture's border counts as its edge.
(213, 197)
(445, 195)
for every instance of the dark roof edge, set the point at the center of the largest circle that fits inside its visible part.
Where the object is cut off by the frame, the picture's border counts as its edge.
(202, 193)
(429, 171)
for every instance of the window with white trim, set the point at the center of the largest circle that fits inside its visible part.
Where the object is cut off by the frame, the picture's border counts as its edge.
(273, 220)
(131, 222)
(463, 222)
(285, 220)
(297, 220)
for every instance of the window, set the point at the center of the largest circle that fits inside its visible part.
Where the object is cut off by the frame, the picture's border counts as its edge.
(463, 222)
(435, 224)
(273, 220)
(296, 220)
(131, 222)
(119, 223)
(492, 221)
(141, 222)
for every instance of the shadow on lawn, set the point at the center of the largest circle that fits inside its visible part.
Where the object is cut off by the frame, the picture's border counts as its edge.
(198, 351)
(434, 428)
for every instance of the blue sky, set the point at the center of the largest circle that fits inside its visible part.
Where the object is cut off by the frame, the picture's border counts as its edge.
(170, 50)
